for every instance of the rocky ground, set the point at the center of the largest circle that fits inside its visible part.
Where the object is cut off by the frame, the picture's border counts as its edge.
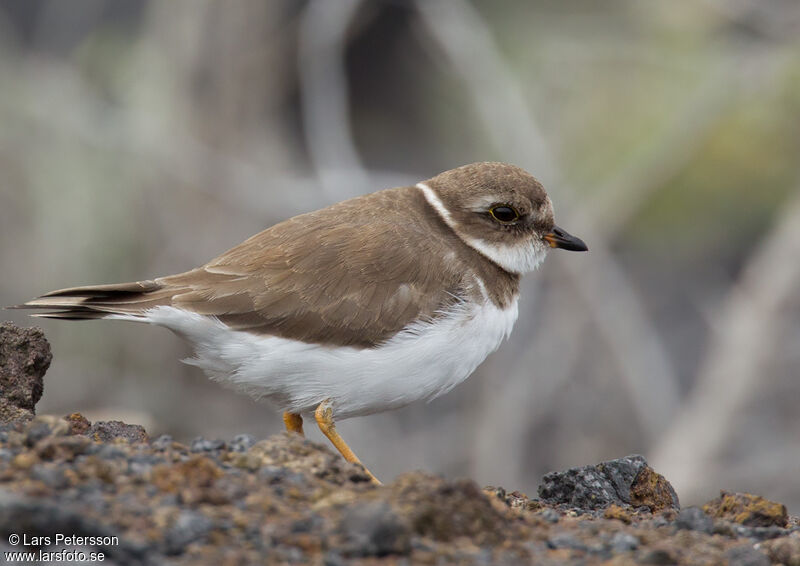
(285, 500)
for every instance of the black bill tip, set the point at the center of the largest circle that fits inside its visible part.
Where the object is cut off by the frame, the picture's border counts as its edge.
(560, 238)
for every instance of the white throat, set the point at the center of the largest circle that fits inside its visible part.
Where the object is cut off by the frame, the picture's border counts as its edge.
(516, 259)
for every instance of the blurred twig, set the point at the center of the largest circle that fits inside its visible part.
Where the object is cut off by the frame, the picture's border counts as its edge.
(325, 100)
(760, 17)
(467, 41)
(610, 207)
(739, 347)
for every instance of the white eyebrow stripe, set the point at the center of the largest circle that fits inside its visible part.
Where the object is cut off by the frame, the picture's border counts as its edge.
(436, 203)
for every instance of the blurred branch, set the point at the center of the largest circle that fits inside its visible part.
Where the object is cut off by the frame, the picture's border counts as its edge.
(324, 97)
(609, 208)
(775, 20)
(739, 346)
(466, 40)
(170, 151)
(59, 23)
(464, 37)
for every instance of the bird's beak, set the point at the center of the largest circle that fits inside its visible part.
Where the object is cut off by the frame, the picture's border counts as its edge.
(559, 238)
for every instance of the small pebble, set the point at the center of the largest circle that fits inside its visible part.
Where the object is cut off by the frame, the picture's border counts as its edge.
(565, 540)
(145, 458)
(140, 465)
(274, 475)
(201, 444)
(624, 542)
(188, 527)
(499, 492)
(550, 515)
(111, 452)
(242, 443)
(36, 432)
(24, 460)
(163, 442)
(758, 533)
(724, 528)
(746, 556)
(660, 522)
(92, 496)
(51, 477)
(140, 470)
(294, 555)
(307, 524)
(374, 529)
(93, 448)
(694, 519)
(658, 557)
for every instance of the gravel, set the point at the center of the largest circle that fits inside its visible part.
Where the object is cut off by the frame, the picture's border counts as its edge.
(286, 500)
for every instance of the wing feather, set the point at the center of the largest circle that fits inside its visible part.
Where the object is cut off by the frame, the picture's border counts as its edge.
(327, 276)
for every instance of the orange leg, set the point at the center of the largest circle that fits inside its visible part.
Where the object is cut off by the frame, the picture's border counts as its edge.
(294, 423)
(324, 416)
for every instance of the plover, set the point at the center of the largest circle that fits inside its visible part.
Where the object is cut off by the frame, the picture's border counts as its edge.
(364, 306)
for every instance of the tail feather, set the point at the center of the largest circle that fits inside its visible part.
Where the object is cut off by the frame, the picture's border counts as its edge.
(71, 315)
(101, 301)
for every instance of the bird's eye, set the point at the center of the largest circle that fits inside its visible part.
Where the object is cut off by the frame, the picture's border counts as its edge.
(504, 213)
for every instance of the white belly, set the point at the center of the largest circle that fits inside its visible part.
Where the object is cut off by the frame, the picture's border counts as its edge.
(422, 362)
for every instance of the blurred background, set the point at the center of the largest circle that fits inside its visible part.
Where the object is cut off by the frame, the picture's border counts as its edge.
(142, 138)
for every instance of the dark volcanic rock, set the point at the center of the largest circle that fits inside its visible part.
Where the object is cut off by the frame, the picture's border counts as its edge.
(24, 359)
(625, 481)
(747, 509)
(650, 489)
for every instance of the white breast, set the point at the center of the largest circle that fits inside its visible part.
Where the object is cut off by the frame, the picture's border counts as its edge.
(423, 361)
